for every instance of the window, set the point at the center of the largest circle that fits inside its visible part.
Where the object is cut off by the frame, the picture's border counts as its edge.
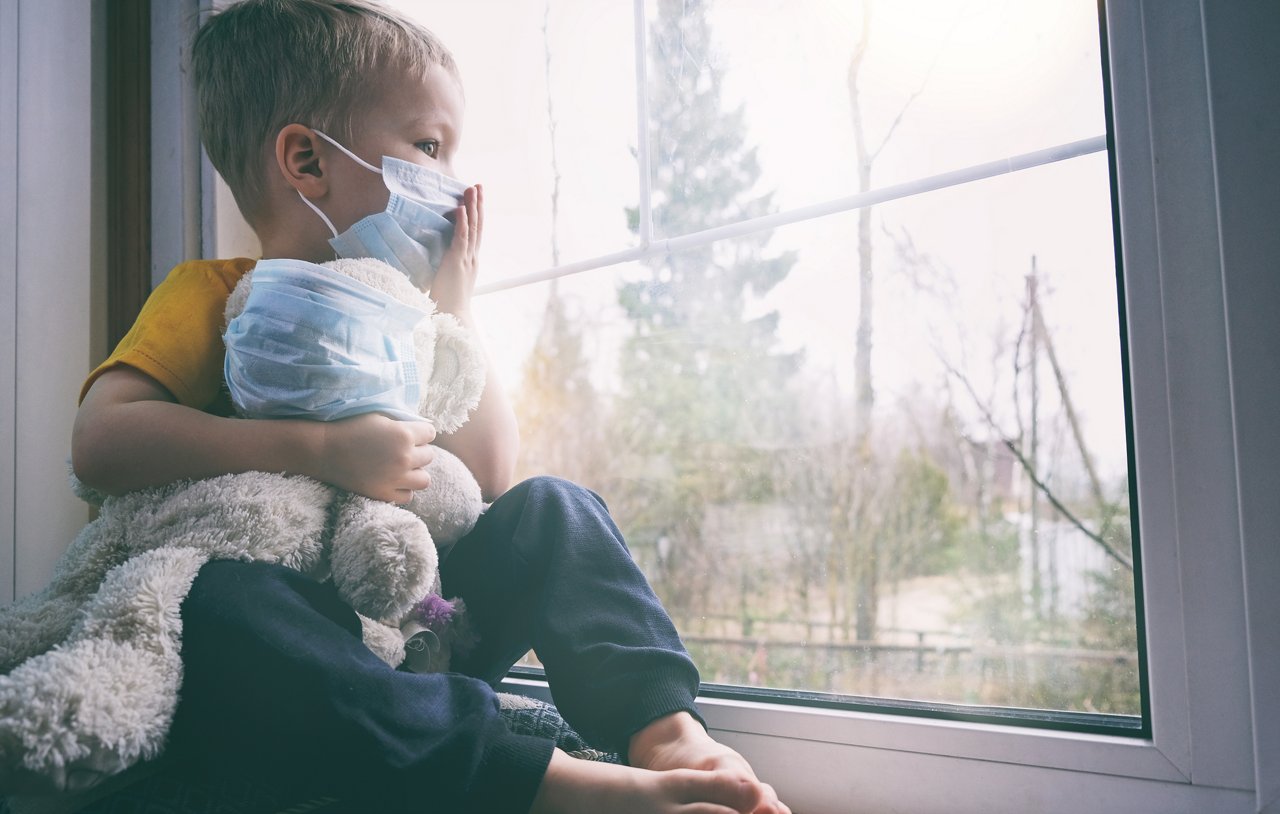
(839, 340)
(1196, 180)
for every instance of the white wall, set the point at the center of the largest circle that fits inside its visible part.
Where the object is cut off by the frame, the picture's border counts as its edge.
(51, 267)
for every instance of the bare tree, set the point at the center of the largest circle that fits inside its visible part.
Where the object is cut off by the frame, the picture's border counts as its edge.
(860, 546)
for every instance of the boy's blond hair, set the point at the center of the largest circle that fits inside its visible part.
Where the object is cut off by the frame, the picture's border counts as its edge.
(262, 64)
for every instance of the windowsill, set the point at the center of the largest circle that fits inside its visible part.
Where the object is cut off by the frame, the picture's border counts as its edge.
(875, 763)
(1070, 751)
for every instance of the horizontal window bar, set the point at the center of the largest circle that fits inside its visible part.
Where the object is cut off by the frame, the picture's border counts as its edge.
(978, 172)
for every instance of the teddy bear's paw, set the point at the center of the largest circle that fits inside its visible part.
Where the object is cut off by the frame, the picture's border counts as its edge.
(452, 504)
(385, 641)
(81, 712)
(382, 558)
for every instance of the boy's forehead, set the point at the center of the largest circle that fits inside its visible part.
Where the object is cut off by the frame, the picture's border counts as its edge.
(412, 98)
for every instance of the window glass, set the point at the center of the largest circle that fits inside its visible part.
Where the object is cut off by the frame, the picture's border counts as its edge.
(919, 559)
(880, 453)
(806, 93)
(502, 49)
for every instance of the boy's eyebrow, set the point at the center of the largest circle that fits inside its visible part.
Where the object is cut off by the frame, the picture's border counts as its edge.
(433, 118)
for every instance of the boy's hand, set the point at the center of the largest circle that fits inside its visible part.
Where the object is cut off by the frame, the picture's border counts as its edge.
(377, 456)
(456, 277)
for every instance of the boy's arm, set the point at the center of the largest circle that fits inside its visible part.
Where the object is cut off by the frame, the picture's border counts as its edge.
(130, 433)
(490, 440)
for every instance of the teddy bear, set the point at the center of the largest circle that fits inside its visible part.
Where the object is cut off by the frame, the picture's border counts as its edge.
(90, 666)
(368, 534)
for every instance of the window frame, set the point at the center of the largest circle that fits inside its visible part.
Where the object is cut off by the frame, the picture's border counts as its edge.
(1211, 722)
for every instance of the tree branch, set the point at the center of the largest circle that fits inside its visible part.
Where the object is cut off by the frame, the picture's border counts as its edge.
(911, 99)
(1095, 484)
(1035, 479)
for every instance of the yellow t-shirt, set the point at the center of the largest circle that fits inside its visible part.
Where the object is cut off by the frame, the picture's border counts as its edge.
(177, 338)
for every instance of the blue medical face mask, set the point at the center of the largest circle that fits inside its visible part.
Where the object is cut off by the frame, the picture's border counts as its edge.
(412, 233)
(312, 343)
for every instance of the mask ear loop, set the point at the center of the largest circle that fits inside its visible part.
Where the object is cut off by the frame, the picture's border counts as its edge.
(350, 155)
(316, 209)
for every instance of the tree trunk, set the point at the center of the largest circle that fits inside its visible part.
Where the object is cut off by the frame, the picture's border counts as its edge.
(865, 541)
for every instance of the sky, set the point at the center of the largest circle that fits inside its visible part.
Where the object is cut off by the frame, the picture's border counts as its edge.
(979, 81)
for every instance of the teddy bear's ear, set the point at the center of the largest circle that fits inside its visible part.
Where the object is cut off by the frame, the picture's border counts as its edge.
(235, 302)
(457, 376)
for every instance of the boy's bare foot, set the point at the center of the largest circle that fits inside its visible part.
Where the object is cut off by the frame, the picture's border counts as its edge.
(678, 741)
(572, 786)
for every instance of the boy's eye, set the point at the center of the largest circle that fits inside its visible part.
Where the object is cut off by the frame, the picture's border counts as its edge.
(431, 147)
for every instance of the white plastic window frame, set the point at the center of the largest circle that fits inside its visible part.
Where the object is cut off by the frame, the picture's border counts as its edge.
(1212, 747)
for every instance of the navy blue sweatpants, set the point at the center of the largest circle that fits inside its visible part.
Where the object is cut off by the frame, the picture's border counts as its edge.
(278, 683)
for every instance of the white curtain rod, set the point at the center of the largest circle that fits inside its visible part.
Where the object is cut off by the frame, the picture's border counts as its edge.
(655, 248)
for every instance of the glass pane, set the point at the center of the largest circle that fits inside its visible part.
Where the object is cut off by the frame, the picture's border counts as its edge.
(769, 95)
(531, 221)
(938, 512)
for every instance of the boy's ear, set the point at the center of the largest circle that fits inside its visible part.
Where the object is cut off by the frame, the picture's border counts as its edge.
(299, 160)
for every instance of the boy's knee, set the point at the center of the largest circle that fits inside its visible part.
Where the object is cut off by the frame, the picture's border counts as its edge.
(233, 595)
(550, 490)
(229, 576)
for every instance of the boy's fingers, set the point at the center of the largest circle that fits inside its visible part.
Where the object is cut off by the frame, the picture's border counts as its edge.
(461, 228)
(479, 213)
(422, 456)
(422, 432)
(467, 213)
(720, 788)
(771, 804)
(473, 216)
(415, 480)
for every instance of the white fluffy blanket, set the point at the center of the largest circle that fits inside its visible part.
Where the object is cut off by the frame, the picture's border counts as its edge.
(90, 666)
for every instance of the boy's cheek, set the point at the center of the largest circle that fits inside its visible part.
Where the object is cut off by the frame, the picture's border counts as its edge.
(360, 202)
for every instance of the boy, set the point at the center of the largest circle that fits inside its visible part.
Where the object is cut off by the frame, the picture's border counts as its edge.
(275, 676)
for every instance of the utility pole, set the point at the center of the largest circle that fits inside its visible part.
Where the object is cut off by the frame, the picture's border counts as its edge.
(1037, 590)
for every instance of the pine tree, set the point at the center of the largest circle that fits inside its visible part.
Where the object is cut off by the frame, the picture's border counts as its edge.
(704, 383)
